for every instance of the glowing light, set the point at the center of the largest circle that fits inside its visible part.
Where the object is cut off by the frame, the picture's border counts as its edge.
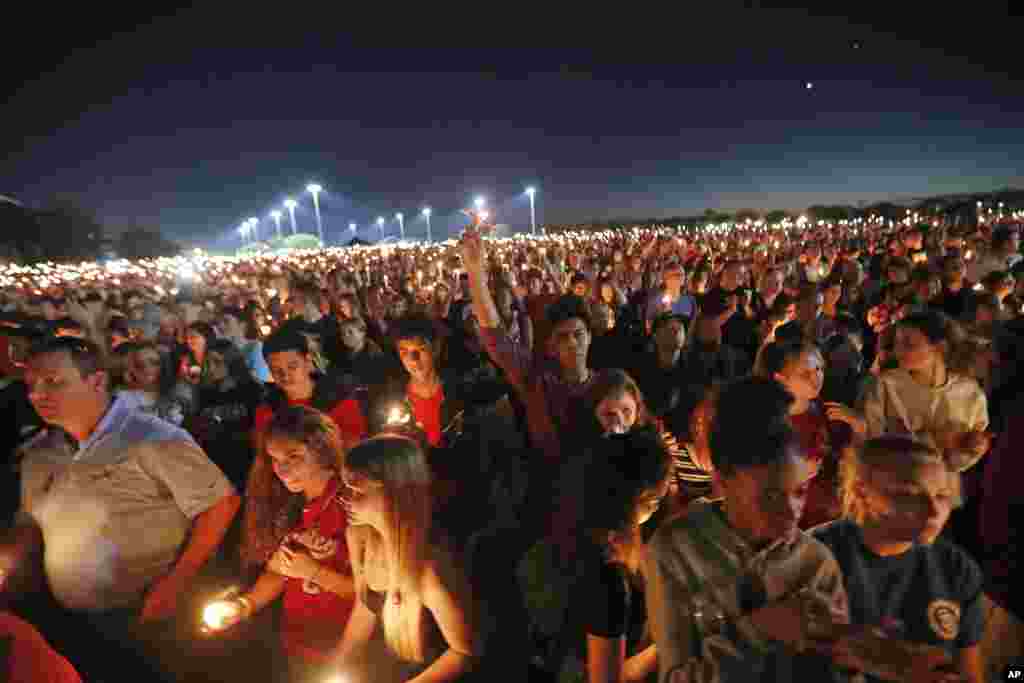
(290, 203)
(219, 613)
(313, 188)
(426, 211)
(479, 202)
(398, 415)
(531, 191)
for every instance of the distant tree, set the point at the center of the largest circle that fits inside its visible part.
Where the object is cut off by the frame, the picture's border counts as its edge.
(830, 213)
(715, 216)
(744, 214)
(776, 216)
(301, 241)
(886, 210)
(69, 232)
(140, 243)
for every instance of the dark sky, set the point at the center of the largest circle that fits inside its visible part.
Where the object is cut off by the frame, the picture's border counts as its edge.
(194, 121)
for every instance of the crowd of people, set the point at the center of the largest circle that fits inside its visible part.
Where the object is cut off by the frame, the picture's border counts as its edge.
(743, 452)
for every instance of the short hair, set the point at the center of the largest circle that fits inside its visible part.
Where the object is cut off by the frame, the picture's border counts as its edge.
(750, 427)
(620, 469)
(118, 326)
(84, 355)
(567, 307)
(204, 329)
(352, 322)
(283, 340)
(847, 324)
(67, 324)
(414, 327)
(578, 278)
(922, 273)
(307, 291)
(807, 290)
(234, 312)
(1002, 236)
(899, 263)
(834, 279)
(777, 355)
(994, 277)
(791, 332)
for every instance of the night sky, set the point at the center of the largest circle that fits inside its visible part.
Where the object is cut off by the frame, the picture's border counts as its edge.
(194, 122)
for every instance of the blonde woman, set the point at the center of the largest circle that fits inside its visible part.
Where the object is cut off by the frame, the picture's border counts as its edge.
(407, 578)
(924, 595)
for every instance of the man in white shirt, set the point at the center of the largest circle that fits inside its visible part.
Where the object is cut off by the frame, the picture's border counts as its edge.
(126, 506)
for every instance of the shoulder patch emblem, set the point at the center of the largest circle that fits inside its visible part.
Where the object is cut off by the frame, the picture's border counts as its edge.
(944, 618)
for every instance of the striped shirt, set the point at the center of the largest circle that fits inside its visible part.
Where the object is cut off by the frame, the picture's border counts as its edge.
(704, 580)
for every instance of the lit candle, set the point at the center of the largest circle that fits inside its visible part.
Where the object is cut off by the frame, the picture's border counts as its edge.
(218, 614)
(398, 415)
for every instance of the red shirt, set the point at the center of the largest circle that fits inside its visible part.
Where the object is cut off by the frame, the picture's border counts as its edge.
(821, 443)
(29, 658)
(313, 618)
(427, 413)
(346, 414)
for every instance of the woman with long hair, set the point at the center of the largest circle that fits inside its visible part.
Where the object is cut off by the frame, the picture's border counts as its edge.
(228, 398)
(151, 381)
(198, 337)
(407, 578)
(800, 368)
(926, 396)
(294, 538)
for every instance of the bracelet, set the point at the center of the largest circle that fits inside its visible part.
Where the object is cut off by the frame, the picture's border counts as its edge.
(246, 605)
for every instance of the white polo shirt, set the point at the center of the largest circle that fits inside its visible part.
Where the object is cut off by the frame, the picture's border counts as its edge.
(115, 512)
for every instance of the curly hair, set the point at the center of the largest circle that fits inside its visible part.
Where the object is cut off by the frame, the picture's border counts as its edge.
(271, 510)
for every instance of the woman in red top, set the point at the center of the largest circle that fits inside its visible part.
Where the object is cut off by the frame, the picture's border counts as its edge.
(295, 524)
(800, 368)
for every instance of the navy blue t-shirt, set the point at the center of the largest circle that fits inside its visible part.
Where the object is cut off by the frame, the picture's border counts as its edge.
(934, 590)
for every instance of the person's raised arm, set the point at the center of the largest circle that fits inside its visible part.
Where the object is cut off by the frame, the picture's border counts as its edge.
(474, 257)
(513, 359)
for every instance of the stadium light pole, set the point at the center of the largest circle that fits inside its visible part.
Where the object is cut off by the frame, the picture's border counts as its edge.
(243, 232)
(315, 190)
(426, 214)
(380, 225)
(352, 227)
(255, 223)
(276, 215)
(479, 202)
(401, 225)
(530, 192)
(290, 204)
